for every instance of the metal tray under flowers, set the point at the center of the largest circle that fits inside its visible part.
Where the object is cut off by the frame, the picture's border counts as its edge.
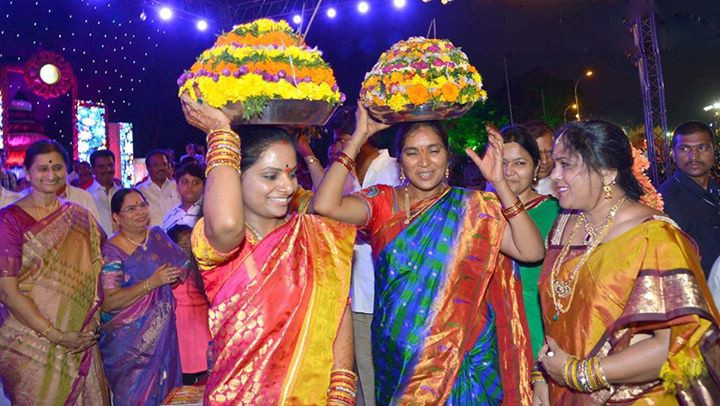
(285, 112)
(423, 112)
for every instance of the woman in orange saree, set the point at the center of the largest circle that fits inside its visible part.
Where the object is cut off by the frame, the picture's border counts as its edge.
(278, 282)
(49, 292)
(625, 303)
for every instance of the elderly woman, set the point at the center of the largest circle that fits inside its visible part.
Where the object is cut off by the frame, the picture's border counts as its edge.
(446, 326)
(49, 291)
(138, 339)
(627, 312)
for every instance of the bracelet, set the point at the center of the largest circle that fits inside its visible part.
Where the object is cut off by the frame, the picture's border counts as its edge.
(513, 210)
(310, 159)
(147, 286)
(47, 330)
(345, 160)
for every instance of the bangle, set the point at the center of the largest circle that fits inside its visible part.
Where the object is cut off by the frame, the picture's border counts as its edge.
(47, 330)
(147, 286)
(513, 210)
(345, 160)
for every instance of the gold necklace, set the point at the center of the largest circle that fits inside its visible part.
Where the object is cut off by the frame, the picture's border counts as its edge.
(407, 201)
(52, 207)
(254, 234)
(142, 245)
(560, 289)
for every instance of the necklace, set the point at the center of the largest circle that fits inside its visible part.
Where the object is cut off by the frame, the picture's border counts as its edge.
(407, 201)
(253, 233)
(47, 209)
(142, 245)
(561, 289)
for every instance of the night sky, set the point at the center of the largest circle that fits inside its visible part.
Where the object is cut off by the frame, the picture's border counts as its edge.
(132, 65)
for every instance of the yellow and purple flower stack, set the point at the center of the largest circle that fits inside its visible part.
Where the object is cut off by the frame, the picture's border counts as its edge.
(420, 72)
(257, 63)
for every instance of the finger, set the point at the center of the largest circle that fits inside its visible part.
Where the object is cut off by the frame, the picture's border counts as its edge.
(196, 89)
(474, 156)
(552, 343)
(543, 351)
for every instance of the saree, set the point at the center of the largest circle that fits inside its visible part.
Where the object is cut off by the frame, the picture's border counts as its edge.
(543, 211)
(275, 310)
(448, 326)
(57, 262)
(645, 279)
(139, 343)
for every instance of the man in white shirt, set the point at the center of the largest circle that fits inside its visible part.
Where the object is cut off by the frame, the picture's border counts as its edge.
(544, 136)
(373, 166)
(159, 189)
(190, 182)
(103, 187)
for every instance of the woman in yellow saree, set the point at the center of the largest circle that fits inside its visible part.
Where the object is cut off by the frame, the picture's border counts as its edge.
(625, 303)
(278, 282)
(49, 292)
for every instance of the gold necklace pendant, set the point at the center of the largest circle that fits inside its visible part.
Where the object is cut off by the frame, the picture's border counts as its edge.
(142, 245)
(254, 234)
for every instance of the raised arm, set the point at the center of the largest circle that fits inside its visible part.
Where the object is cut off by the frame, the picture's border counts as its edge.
(329, 199)
(314, 167)
(222, 204)
(521, 240)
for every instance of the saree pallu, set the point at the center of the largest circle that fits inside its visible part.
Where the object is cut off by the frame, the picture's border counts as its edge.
(646, 279)
(275, 312)
(448, 326)
(139, 343)
(59, 267)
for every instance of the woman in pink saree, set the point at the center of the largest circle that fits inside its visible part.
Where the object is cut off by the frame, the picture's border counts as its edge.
(49, 292)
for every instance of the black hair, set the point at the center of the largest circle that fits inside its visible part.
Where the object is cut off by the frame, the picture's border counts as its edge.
(344, 119)
(119, 197)
(692, 127)
(192, 169)
(188, 160)
(521, 136)
(603, 145)
(101, 153)
(45, 147)
(408, 128)
(176, 231)
(537, 129)
(256, 139)
(156, 152)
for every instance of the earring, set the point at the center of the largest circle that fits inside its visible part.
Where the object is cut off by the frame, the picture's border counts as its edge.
(607, 191)
(447, 172)
(535, 179)
(402, 176)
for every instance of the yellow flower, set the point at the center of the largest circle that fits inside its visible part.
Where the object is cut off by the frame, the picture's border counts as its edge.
(397, 102)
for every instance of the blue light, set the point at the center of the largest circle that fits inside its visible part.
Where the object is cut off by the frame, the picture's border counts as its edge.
(399, 3)
(363, 7)
(165, 13)
(201, 25)
(331, 12)
(297, 19)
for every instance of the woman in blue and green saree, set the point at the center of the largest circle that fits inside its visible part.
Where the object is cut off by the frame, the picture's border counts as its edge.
(448, 326)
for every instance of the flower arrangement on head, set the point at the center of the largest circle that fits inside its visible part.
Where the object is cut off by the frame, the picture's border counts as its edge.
(256, 63)
(651, 197)
(421, 71)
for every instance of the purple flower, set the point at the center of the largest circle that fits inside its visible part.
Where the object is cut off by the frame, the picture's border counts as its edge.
(244, 70)
(433, 48)
(335, 87)
(226, 72)
(438, 62)
(237, 73)
(202, 71)
(419, 65)
(190, 75)
(281, 73)
(267, 77)
(215, 77)
(258, 71)
(342, 97)
(180, 81)
(387, 69)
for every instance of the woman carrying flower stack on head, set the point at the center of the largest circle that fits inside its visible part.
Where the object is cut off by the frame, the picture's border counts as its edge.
(448, 326)
(278, 282)
(627, 312)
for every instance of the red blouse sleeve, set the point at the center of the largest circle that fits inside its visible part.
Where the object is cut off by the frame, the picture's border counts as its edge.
(12, 229)
(380, 205)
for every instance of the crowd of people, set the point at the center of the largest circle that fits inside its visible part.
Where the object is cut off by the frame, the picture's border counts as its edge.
(377, 282)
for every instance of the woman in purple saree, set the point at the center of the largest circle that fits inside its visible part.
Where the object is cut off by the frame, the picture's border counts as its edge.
(138, 338)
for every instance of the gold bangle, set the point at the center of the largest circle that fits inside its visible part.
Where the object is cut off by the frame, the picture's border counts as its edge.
(147, 286)
(513, 210)
(47, 330)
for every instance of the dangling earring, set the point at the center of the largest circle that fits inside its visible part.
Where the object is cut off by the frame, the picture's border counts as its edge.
(402, 176)
(607, 191)
(535, 179)
(447, 172)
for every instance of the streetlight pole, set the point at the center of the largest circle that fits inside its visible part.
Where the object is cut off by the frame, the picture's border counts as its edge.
(587, 74)
(570, 106)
